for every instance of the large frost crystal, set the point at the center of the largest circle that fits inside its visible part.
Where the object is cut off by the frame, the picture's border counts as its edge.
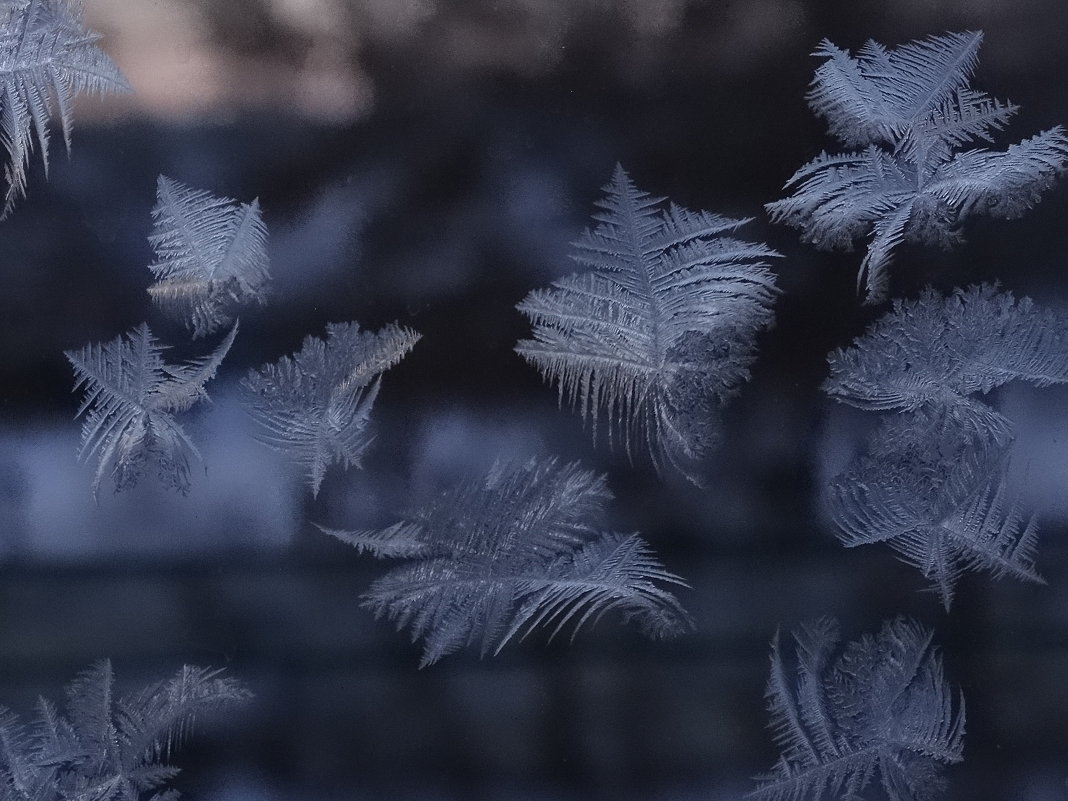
(493, 558)
(660, 333)
(910, 110)
(877, 707)
(935, 483)
(108, 747)
(46, 59)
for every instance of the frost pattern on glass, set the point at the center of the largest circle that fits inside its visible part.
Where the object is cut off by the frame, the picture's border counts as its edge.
(316, 404)
(47, 57)
(939, 495)
(940, 351)
(879, 706)
(660, 333)
(934, 483)
(108, 746)
(491, 559)
(211, 256)
(910, 109)
(131, 396)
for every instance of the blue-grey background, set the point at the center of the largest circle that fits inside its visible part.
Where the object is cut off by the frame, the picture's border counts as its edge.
(429, 162)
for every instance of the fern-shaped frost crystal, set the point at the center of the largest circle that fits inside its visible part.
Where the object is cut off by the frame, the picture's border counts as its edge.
(659, 334)
(46, 58)
(940, 351)
(492, 559)
(939, 495)
(316, 405)
(211, 255)
(108, 747)
(131, 396)
(934, 484)
(910, 110)
(880, 706)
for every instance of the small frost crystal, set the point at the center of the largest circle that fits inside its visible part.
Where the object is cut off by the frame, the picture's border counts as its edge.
(131, 396)
(211, 256)
(940, 496)
(316, 405)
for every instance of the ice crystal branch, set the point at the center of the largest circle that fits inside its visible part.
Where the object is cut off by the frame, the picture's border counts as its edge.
(493, 558)
(659, 334)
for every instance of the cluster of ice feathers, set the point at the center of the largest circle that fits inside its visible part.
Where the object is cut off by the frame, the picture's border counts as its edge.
(653, 338)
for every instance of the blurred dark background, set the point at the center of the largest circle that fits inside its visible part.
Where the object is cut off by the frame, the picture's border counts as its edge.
(430, 162)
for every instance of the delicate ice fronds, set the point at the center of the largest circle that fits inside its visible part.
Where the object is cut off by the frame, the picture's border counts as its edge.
(107, 746)
(131, 395)
(880, 94)
(937, 351)
(211, 255)
(659, 334)
(877, 707)
(934, 482)
(911, 110)
(46, 58)
(399, 541)
(938, 494)
(316, 404)
(491, 559)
